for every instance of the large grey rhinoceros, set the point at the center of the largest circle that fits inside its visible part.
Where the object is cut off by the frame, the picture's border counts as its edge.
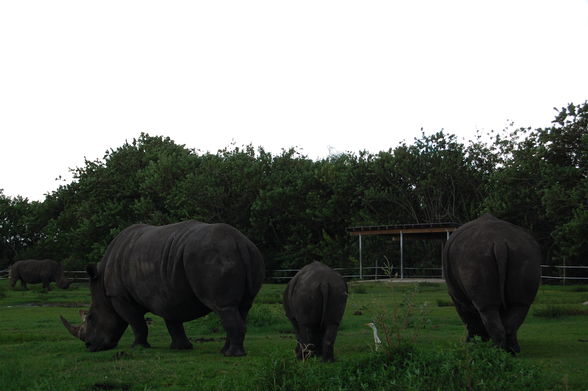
(493, 270)
(314, 301)
(36, 271)
(180, 272)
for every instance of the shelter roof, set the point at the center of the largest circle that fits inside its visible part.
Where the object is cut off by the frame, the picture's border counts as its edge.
(408, 231)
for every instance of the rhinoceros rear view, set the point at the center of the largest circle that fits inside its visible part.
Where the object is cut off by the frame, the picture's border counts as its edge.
(314, 302)
(492, 269)
(180, 272)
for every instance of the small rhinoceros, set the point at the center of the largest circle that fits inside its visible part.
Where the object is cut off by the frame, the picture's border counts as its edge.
(314, 301)
(38, 271)
(493, 270)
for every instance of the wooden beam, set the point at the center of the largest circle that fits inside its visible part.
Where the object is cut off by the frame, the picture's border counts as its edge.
(404, 231)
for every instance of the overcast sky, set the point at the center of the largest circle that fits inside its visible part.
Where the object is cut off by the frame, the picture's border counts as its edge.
(80, 77)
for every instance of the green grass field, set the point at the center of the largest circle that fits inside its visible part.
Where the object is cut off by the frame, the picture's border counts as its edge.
(37, 353)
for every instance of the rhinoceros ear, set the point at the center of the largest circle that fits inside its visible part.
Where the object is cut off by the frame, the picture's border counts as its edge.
(92, 271)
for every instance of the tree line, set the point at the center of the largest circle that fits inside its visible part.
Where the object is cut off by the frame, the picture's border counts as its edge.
(297, 209)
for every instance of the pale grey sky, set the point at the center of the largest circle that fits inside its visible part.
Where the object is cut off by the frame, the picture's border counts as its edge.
(79, 77)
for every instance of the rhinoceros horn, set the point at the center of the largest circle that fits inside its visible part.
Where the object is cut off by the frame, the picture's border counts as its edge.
(76, 331)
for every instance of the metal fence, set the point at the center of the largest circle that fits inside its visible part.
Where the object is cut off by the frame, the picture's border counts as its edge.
(549, 274)
(75, 275)
(365, 273)
(564, 274)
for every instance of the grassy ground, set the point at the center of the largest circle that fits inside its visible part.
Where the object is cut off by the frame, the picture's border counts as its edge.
(37, 353)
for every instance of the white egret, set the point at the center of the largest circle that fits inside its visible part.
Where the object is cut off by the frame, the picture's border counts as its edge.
(377, 340)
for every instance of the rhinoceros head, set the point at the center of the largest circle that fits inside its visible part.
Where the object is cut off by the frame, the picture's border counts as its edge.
(101, 326)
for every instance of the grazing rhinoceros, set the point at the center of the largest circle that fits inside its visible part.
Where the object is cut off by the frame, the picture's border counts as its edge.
(35, 271)
(314, 302)
(180, 272)
(492, 269)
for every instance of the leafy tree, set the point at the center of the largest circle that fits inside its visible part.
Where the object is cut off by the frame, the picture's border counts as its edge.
(541, 183)
(297, 209)
(432, 180)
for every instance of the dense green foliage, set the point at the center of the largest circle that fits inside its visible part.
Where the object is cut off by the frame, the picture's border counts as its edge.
(297, 209)
(461, 367)
(425, 352)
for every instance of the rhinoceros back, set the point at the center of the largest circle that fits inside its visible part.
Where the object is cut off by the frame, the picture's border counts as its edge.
(149, 263)
(514, 252)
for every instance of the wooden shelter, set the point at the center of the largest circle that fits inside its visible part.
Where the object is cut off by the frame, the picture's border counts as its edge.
(401, 232)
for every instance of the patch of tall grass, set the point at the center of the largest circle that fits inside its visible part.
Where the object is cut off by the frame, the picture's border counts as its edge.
(427, 285)
(583, 288)
(558, 311)
(474, 366)
(265, 315)
(15, 376)
(444, 303)
(359, 289)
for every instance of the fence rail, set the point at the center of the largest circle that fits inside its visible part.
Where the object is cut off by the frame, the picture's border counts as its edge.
(563, 273)
(75, 275)
(366, 273)
(549, 273)
(558, 273)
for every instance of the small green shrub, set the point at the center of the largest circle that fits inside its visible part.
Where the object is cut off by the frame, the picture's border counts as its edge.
(429, 285)
(558, 311)
(444, 303)
(359, 289)
(269, 298)
(264, 315)
(403, 322)
(210, 323)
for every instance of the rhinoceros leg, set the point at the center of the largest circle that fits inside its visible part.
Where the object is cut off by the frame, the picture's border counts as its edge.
(471, 318)
(178, 335)
(235, 327)
(297, 350)
(493, 322)
(140, 331)
(309, 341)
(328, 343)
(135, 317)
(513, 318)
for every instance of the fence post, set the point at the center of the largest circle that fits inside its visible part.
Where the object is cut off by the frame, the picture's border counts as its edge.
(360, 260)
(401, 256)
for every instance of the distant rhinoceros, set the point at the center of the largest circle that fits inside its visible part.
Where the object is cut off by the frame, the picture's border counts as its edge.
(314, 301)
(180, 272)
(492, 269)
(36, 271)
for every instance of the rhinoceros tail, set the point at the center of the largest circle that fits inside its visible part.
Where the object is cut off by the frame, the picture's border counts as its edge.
(254, 267)
(501, 257)
(325, 297)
